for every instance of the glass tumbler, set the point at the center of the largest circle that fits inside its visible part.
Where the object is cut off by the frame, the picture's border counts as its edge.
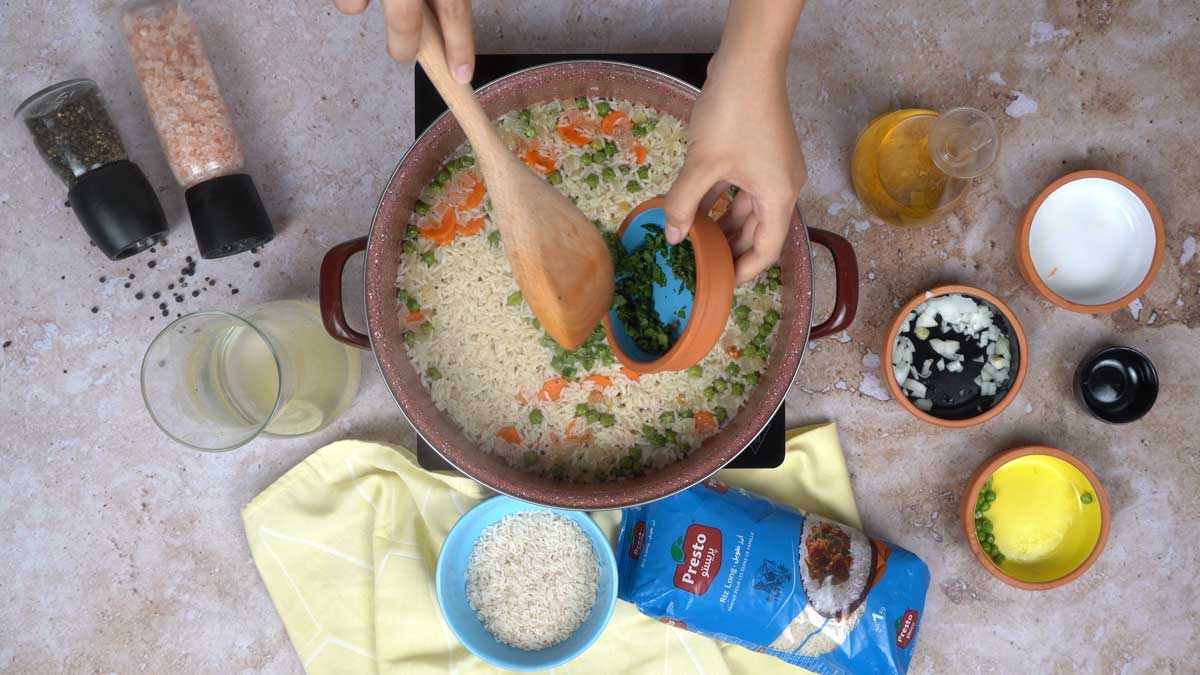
(214, 381)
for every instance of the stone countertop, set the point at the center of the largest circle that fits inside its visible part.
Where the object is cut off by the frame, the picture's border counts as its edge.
(125, 553)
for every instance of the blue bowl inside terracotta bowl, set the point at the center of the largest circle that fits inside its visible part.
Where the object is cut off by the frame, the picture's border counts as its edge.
(452, 589)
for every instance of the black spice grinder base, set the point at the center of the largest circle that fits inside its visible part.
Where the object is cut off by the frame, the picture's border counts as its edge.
(118, 208)
(228, 216)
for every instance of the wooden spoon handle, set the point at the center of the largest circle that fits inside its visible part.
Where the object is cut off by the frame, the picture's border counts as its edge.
(459, 97)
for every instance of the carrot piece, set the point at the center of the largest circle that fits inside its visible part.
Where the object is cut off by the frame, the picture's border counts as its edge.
(599, 380)
(733, 352)
(639, 152)
(444, 233)
(415, 317)
(522, 398)
(473, 198)
(472, 227)
(539, 162)
(552, 388)
(706, 422)
(573, 136)
(571, 429)
(509, 434)
(610, 121)
(630, 374)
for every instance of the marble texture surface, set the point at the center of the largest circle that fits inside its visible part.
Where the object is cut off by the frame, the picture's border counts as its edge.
(125, 553)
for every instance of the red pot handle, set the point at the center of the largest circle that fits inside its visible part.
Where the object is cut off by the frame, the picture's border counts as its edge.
(845, 266)
(333, 313)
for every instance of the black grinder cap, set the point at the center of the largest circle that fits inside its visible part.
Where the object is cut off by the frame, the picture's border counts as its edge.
(228, 216)
(118, 208)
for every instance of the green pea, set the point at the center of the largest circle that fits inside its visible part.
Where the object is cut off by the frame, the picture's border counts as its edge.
(442, 177)
(648, 430)
(772, 317)
(466, 161)
(643, 171)
(639, 130)
(581, 410)
(428, 258)
(554, 178)
(597, 143)
(773, 284)
(426, 328)
(742, 311)
(686, 413)
(633, 186)
(986, 506)
(667, 417)
(738, 388)
(608, 174)
(1086, 498)
(774, 272)
(760, 288)
(528, 132)
(650, 124)
(658, 440)
(719, 384)
(593, 416)
(514, 299)
(536, 417)
(721, 413)
(742, 324)
(567, 371)
(410, 338)
(412, 304)
(989, 495)
(529, 458)
(624, 168)
(978, 513)
(525, 116)
(592, 180)
(603, 108)
(696, 371)
(434, 373)
(408, 247)
(494, 238)
(752, 379)
(998, 558)
(610, 148)
(421, 208)
(581, 103)
(635, 452)
(586, 159)
(733, 370)
(987, 525)
(608, 419)
(710, 393)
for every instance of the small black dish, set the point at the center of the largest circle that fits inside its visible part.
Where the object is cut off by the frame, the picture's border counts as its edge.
(1116, 385)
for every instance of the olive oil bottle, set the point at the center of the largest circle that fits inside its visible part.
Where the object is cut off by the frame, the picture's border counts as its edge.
(912, 166)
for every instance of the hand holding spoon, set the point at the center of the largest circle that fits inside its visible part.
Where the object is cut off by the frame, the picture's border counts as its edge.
(559, 258)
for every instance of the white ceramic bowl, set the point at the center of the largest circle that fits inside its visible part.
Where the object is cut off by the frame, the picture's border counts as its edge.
(1092, 241)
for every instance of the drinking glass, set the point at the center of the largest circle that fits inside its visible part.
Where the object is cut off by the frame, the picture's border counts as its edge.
(214, 381)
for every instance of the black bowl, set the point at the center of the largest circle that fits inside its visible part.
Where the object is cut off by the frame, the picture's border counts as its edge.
(1116, 384)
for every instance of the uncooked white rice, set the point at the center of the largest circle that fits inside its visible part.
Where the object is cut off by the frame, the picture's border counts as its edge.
(484, 359)
(532, 579)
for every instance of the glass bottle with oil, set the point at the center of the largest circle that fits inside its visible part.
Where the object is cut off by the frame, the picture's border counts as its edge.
(912, 166)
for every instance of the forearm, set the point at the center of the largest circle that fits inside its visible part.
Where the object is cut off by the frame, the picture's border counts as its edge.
(760, 31)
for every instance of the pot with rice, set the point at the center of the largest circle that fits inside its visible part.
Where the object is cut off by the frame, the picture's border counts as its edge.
(468, 362)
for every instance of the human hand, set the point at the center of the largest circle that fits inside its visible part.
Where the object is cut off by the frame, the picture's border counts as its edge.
(404, 30)
(741, 133)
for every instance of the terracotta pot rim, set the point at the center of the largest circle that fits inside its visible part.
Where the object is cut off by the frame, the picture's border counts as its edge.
(894, 329)
(1025, 258)
(986, 469)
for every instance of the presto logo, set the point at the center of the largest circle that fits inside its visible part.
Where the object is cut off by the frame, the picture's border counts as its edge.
(698, 554)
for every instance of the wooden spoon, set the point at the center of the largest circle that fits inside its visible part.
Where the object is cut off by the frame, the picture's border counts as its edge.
(560, 260)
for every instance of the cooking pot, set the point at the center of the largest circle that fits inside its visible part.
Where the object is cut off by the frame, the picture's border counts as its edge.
(385, 331)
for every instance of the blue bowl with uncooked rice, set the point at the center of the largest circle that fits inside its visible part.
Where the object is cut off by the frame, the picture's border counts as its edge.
(525, 587)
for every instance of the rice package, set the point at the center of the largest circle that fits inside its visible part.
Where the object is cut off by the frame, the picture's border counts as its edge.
(729, 564)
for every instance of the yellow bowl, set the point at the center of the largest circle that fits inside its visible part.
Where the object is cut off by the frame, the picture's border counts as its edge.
(1049, 517)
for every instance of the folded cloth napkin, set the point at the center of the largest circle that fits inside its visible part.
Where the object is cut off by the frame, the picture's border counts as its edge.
(347, 542)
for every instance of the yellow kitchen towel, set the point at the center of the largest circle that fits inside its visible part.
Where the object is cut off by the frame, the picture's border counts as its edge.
(347, 541)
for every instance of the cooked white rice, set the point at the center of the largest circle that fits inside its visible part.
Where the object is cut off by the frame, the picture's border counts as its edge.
(484, 359)
(532, 579)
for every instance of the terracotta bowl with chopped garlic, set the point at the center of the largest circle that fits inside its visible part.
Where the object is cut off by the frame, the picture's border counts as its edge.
(955, 356)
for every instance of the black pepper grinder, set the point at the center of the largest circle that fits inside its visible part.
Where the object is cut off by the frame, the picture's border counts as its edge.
(110, 195)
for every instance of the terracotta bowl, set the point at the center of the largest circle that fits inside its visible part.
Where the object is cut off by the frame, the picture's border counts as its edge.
(710, 304)
(1085, 538)
(1020, 351)
(1091, 242)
